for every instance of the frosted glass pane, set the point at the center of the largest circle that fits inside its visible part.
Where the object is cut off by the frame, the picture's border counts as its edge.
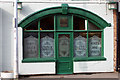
(47, 45)
(64, 45)
(95, 44)
(80, 44)
(30, 45)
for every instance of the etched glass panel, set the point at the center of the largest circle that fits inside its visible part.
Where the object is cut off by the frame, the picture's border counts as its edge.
(92, 26)
(63, 22)
(64, 45)
(30, 45)
(80, 44)
(95, 44)
(47, 45)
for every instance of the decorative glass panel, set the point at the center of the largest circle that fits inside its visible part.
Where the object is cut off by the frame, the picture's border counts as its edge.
(78, 23)
(47, 45)
(30, 45)
(80, 44)
(95, 44)
(92, 26)
(64, 45)
(63, 22)
(32, 26)
(47, 23)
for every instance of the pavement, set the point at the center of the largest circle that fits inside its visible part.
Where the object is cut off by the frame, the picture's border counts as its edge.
(87, 76)
(80, 76)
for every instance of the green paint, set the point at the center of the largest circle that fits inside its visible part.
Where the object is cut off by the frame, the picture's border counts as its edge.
(31, 60)
(101, 23)
(102, 41)
(39, 39)
(68, 20)
(64, 64)
(64, 8)
(90, 59)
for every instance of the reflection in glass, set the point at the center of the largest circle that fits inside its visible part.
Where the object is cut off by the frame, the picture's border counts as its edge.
(47, 23)
(80, 44)
(95, 44)
(32, 26)
(30, 45)
(64, 45)
(47, 45)
(92, 26)
(63, 22)
(78, 23)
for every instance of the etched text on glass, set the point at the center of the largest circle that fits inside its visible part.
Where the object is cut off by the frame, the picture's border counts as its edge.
(30, 47)
(80, 46)
(94, 46)
(47, 47)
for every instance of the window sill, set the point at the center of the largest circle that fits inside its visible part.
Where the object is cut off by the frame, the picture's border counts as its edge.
(90, 59)
(30, 60)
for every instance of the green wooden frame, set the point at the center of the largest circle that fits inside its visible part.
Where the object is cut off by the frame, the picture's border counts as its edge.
(100, 22)
(89, 16)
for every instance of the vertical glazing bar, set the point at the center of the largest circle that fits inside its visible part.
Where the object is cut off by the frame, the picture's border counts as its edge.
(39, 39)
(102, 41)
(87, 40)
(55, 53)
(72, 23)
(72, 39)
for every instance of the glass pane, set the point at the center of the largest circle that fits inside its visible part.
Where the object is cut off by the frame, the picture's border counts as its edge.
(92, 26)
(80, 44)
(47, 45)
(63, 22)
(32, 26)
(78, 23)
(95, 44)
(30, 45)
(47, 23)
(64, 45)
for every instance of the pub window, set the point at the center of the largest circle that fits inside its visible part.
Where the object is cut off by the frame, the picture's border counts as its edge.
(88, 40)
(39, 39)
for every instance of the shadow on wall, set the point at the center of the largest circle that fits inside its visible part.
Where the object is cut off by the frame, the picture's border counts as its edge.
(7, 38)
(26, 10)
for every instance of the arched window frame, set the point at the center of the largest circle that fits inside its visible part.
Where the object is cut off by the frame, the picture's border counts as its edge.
(87, 15)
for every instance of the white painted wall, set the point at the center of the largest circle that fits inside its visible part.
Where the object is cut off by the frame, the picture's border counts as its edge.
(83, 66)
(99, 66)
(0, 40)
(33, 68)
(7, 31)
(7, 51)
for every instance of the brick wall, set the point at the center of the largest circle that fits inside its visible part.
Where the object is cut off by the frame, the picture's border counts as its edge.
(115, 38)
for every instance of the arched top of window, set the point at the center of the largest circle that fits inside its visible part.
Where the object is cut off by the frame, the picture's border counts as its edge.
(95, 19)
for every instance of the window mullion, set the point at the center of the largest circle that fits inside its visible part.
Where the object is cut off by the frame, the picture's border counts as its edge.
(39, 39)
(87, 41)
(102, 41)
(55, 51)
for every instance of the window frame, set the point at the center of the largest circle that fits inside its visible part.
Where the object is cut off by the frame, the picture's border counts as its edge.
(87, 58)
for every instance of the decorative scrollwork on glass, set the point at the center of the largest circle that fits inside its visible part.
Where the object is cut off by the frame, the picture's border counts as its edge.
(64, 46)
(80, 46)
(30, 47)
(47, 47)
